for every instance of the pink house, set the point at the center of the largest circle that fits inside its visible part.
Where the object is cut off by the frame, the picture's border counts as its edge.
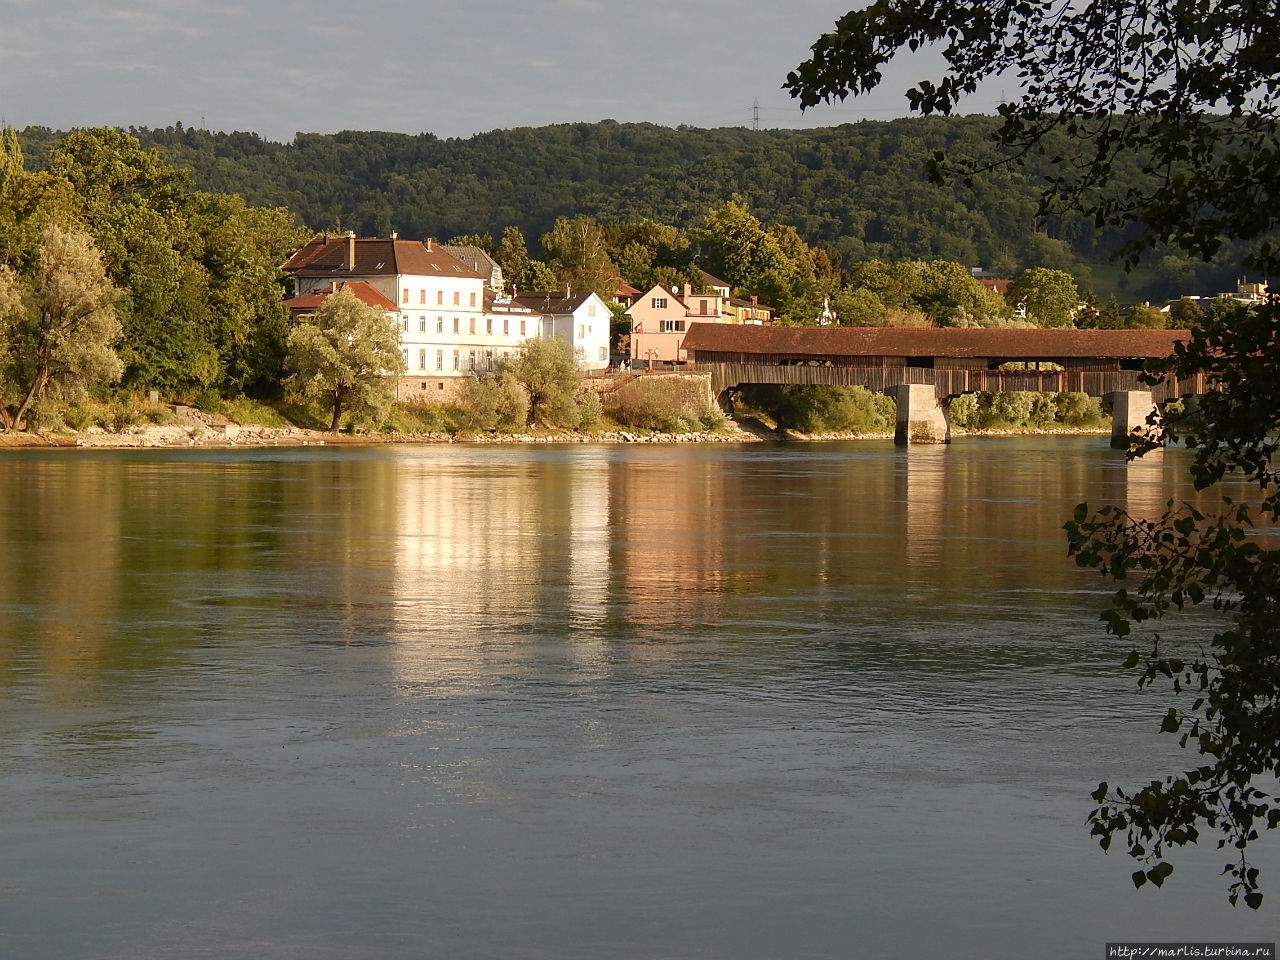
(660, 318)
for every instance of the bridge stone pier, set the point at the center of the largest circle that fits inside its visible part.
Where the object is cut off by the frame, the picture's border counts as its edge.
(920, 417)
(1129, 412)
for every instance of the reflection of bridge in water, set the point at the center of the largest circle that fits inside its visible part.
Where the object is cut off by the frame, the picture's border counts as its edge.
(925, 368)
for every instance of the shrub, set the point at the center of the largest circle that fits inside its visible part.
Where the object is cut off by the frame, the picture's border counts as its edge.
(1009, 409)
(245, 411)
(1079, 410)
(208, 401)
(963, 411)
(669, 404)
(590, 410)
(824, 408)
(78, 415)
(421, 418)
(123, 413)
(493, 402)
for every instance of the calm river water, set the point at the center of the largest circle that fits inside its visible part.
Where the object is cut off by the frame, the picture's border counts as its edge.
(720, 701)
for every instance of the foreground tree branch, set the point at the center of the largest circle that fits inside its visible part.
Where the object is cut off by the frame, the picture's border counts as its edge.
(1191, 87)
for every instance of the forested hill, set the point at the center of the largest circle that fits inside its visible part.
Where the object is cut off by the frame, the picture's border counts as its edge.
(860, 188)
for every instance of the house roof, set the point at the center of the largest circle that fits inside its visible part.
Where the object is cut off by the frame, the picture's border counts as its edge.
(1014, 343)
(710, 281)
(326, 256)
(475, 257)
(554, 301)
(362, 291)
(625, 289)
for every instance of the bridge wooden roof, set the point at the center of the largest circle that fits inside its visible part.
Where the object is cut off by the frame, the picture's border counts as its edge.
(1011, 343)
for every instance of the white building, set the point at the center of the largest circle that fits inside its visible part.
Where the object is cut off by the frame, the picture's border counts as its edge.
(437, 301)
(580, 319)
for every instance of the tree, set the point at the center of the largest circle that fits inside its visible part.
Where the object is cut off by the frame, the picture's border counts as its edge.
(1049, 296)
(1143, 316)
(1192, 90)
(576, 251)
(549, 371)
(518, 269)
(744, 254)
(59, 332)
(348, 356)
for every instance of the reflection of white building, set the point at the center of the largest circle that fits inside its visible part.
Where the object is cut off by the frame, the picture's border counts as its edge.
(479, 542)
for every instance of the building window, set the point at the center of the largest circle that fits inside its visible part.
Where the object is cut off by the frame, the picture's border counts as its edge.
(582, 331)
(473, 299)
(422, 296)
(591, 309)
(439, 324)
(604, 354)
(422, 324)
(439, 297)
(488, 324)
(439, 359)
(404, 324)
(659, 303)
(422, 359)
(472, 325)
(522, 328)
(702, 307)
(455, 360)
(405, 354)
(404, 297)
(473, 360)
(506, 326)
(455, 324)
(673, 326)
(455, 298)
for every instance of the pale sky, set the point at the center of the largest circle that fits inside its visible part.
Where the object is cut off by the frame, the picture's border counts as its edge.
(277, 67)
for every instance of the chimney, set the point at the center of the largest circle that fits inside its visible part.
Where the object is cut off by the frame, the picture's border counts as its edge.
(350, 262)
(431, 244)
(568, 291)
(394, 235)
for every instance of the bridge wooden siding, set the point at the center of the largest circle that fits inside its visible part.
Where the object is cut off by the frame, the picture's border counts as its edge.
(947, 382)
(953, 361)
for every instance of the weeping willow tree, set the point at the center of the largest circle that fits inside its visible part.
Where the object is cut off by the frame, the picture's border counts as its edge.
(57, 332)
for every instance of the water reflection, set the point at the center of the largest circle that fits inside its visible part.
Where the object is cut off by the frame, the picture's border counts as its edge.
(747, 691)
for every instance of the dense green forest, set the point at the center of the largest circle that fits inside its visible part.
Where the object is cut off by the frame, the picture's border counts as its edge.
(859, 191)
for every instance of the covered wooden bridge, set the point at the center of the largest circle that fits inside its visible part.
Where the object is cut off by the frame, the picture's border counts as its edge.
(924, 368)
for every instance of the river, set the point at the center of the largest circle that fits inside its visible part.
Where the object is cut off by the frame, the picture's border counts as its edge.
(653, 701)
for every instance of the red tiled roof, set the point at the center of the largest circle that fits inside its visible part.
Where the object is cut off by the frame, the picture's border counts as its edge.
(1014, 343)
(361, 290)
(325, 256)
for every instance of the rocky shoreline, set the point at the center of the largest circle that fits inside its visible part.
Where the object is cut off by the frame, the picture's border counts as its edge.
(192, 428)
